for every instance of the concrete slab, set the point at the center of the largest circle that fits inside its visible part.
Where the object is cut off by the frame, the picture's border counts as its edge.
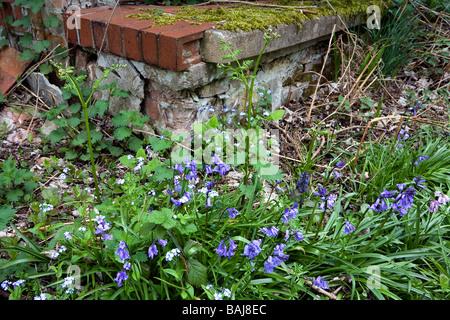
(251, 43)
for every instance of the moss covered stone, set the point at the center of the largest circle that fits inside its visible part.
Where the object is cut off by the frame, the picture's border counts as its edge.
(251, 17)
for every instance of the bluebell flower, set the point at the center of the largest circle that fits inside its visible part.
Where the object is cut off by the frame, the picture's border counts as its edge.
(208, 169)
(179, 168)
(152, 251)
(380, 204)
(222, 250)
(348, 227)
(414, 109)
(276, 259)
(270, 232)
(434, 205)
(122, 252)
(404, 201)
(420, 159)
(340, 164)
(126, 266)
(298, 235)
(252, 249)
(290, 213)
(303, 182)
(232, 212)
(321, 283)
(121, 276)
(162, 242)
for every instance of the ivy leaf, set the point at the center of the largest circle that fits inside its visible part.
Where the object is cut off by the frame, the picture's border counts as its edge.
(122, 133)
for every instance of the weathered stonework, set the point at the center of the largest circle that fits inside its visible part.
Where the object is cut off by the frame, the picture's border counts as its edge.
(172, 71)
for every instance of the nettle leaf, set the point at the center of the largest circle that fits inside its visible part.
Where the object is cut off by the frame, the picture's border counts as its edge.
(96, 136)
(134, 143)
(196, 272)
(163, 217)
(159, 144)
(73, 122)
(74, 108)
(36, 5)
(119, 93)
(140, 121)
(56, 135)
(120, 120)
(115, 151)
(14, 195)
(163, 173)
(99, 108)
(122, 133)
(6, 214)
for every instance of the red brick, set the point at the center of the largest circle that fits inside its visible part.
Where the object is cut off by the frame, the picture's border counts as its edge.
(150, 39)
(114, 29)
(71, 33)
(131, 36)
(85, 31)
(179, 48)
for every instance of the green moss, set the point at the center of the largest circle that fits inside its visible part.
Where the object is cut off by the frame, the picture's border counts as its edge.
(248, 17)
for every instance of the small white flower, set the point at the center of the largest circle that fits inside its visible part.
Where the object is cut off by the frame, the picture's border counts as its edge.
(227, 293)
(82, 229)
(121, 181)
(66, 170)
(62, 176)
(54, 255)
(130, 157)
(266, 114)
(209, 287)
(62, 249)
(213, 194)
(217, 296)
(67, 235)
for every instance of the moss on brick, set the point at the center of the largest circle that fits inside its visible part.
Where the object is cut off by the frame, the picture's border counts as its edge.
(249, 17)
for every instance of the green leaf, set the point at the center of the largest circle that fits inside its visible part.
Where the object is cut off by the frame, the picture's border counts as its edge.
(73, 122)
(51, 21)
(36, 5)
(40, 46)
(74, 108)
(134, 143)
(25, 22)
(122, 133)
(196, 272)
(96, 136)
(14, 195)
(26, 40)
(277, 115)
(119, 93)
(71, 155)
(99, 108)
(3, 42)
(120, 120)
(45, 68)
(163, 217)
(191, 247)
(163, 173)
(159, 144)
(213, 122)
(56, 135)
(115, 151)
(126, 162)
(26, 55)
